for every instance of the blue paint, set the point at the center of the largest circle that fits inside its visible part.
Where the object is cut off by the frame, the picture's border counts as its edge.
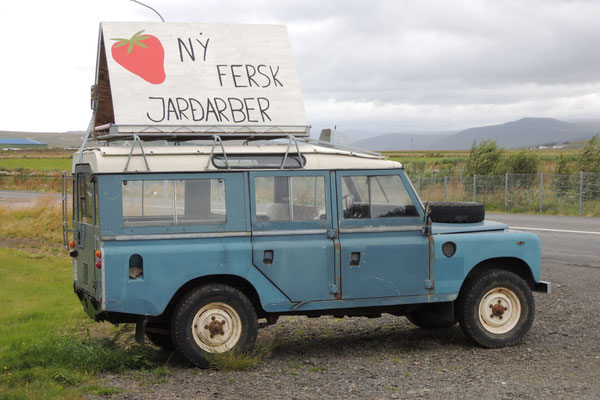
(310, 257)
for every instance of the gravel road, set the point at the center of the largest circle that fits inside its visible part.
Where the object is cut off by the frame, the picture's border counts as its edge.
(388, 358)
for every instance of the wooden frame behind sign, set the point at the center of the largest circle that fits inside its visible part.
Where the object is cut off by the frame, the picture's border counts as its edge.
(169, 78)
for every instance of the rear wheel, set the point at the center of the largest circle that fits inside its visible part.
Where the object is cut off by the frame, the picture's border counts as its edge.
(496, 308)
(214, 318)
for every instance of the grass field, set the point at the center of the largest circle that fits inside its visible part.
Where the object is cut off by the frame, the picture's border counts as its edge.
(49, 348)
(36, 164)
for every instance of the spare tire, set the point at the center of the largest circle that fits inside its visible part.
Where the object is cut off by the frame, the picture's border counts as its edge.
(456, 212)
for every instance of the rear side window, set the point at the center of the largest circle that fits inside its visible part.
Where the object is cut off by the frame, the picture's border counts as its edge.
(284, 198)
(87, 199)
(383, 196)
(174, 202)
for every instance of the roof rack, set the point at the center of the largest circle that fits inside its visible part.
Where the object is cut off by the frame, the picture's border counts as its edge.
(217, 134)
(177, 133)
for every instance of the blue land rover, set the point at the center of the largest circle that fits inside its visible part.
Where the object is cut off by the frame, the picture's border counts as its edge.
(200, 245)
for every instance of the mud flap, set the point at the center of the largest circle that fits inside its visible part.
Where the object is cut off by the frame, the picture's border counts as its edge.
(140, 331)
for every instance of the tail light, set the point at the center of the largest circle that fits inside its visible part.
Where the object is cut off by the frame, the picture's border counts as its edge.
(98, 255)
(72, 244)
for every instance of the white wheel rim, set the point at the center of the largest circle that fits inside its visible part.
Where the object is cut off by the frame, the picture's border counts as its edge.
(499, 310)
(216, 327)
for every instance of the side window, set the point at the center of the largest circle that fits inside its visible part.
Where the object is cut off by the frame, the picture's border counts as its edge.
(174, 202)
(86, 190)
(296, 198)
(382, 196)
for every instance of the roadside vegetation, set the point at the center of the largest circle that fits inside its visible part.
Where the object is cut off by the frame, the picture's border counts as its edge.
(48, 347)
(511, 180)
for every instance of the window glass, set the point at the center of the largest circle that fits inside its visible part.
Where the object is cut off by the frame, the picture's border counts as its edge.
(86, 199)
(355, 197)
(389, 198)
(376, 197)
(249, 161)
(282, 198)
(173, 202)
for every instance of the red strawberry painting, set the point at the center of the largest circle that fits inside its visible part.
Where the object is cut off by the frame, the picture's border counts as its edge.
(142, 55)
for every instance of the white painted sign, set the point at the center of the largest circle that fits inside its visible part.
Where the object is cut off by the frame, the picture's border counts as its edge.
(200, 75)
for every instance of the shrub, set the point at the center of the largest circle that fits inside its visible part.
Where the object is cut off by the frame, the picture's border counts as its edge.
(520, 162)
(484, 159)
(589, 158)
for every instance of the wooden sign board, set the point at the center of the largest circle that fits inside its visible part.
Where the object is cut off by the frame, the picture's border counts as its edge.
(196, 76)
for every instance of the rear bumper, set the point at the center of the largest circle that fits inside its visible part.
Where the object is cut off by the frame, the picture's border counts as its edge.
(91, 305)
(543, 287)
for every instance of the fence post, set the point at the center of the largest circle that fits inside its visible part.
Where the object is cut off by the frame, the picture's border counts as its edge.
(580, 191)
(475, 187)
(541, 190)
(445, 184)
(505, 192)
(419, 184)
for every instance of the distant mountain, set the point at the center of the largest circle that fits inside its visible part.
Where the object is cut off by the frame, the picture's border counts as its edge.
(402, 141)
(526, 132)
(53, 139)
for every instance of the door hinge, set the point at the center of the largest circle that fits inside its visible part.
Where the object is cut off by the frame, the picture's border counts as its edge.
(428, 284)
(331, 233)
(334, 289)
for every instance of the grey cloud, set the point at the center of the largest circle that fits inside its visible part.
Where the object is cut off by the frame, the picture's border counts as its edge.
(429, 63)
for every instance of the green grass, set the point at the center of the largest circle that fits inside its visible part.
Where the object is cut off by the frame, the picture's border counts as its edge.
(46, 348)
(238, 360)
(36, 164)
(37, 296)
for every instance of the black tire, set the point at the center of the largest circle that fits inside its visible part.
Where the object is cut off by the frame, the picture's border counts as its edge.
(426, 319)
(508, 300)
(213, 318)
(160, 336)
(457, 212)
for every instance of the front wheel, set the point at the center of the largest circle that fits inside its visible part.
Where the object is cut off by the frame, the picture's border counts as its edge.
(495, 309)
(214, 318)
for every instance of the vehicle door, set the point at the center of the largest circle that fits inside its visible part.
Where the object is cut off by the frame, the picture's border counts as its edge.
(85, 194)
(383, 250)
(291, 227)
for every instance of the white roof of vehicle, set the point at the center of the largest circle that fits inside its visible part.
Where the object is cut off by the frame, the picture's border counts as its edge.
(197, 158)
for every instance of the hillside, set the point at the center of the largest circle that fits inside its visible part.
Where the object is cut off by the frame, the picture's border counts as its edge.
(526, 132)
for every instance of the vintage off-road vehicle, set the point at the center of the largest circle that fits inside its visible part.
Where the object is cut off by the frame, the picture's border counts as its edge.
(197, 245)
(195, 237)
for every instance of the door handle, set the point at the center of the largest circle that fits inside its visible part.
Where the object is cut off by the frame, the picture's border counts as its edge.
(355, 259)
(268, 257)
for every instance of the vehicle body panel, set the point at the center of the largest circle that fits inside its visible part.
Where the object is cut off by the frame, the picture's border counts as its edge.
(310, 266)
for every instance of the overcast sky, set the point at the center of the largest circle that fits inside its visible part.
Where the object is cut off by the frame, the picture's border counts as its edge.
(363, 65)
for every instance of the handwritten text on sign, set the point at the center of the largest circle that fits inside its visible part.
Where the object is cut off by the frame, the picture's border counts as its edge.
(202, 74)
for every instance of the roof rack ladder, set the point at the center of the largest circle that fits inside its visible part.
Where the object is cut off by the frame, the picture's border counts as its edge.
(217, 138)
(287, 151)
(88, 133)
(65, 179)
(136, 139)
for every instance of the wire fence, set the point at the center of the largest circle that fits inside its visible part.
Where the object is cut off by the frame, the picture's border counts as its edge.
(24, 180)
(543, 193)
